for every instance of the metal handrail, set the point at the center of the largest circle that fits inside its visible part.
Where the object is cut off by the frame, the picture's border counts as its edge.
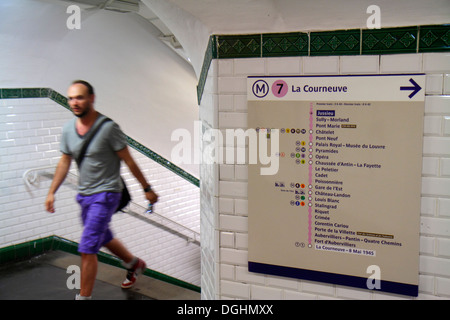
(31, 176)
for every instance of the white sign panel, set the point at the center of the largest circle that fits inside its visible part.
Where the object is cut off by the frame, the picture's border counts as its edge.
(345, 200)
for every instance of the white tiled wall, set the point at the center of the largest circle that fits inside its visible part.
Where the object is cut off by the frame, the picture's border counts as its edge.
(224, 200)
(30, 130)
(209, 185)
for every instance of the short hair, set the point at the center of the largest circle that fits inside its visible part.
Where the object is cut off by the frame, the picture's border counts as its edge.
(86, 84)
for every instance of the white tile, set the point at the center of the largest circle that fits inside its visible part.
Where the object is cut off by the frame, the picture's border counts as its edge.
(434, 265)
(401, 63)
(436, 186)
(225, 67)
(208, 111)
(318, 288)
(428, 206)
(241, 240)
(232, 85)
(243, 275)
(210, 84)
(249, 66)
(388, 296)
(443, 287)
(321, 65)
(225, 102)
(233, 256)
(226, 205)
(282, 282)
(235, 289)
(444, 207)
(226, 172)
(213, 68)
(445, 167)
(241, 172)
(432, 125)
(436, 146)
(226, 272)
(241, 206)
(446, 89)
(436, 62)
(233, 189)
(227, 239)
(437, 104)
(284, 66)
(443, 247)
(434, 83)
(357, 294)
(430, 166)
(427, 245)
(233, 223)
(265, 293)
(359, 64)
(446, 130)
(240, 102)
(293, 295)
(233, 155)
(232, 120)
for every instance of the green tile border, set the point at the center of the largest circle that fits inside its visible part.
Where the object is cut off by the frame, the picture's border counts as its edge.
(210, 54)
(408, 39)
(340, 42)
(283, 44)
(434, 38)
(162, 161)
(22, 93)
(390, 41)
(26, 250)
(239, 46)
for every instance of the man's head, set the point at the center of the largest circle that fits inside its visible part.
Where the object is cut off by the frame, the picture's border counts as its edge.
(81, 98)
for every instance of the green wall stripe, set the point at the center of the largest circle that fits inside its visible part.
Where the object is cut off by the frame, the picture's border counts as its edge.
(21, 93)
(210, 54)
(162, 161)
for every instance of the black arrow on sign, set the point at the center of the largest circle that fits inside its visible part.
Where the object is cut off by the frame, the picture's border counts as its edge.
(416, 88)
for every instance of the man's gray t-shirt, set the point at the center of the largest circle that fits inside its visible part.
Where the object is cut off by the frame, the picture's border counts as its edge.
(100, 169)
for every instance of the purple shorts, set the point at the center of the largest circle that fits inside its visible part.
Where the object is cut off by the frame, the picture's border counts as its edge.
(96, 213)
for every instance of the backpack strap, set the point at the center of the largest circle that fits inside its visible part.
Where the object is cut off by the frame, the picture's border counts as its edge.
(88, 140)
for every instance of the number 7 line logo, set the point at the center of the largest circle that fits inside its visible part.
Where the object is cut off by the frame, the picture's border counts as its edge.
(279, 88)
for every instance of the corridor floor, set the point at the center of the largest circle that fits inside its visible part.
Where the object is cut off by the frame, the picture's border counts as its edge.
(45, 278)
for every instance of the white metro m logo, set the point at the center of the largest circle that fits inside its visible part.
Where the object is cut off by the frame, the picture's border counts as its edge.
(260, 88)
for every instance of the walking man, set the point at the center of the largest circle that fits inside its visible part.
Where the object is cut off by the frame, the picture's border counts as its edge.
(100, 185)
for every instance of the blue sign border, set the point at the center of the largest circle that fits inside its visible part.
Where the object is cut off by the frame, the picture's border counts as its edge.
(333, 278)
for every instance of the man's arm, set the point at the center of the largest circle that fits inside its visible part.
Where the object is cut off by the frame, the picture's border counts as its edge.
(60, 174)
(125, 155)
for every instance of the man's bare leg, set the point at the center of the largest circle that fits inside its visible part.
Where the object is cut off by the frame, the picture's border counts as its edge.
(88, 273)
(89, 265)
(118, 249)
